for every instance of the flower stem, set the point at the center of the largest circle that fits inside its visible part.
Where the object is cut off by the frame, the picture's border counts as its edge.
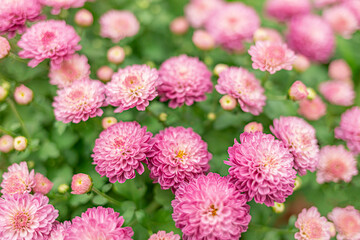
(110, 199)
(2, 129)
(13, 108)
(265, 78)
(266, 228)
(152, 114)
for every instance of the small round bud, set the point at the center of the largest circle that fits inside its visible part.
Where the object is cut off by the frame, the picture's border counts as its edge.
(3, 93)
(6, 143)
(104, 73)
(298, 91)
(301, 63)
(267, 34)
(81, 183)
(42, 184)
(23, 95)
(31, 164)
(63, 188)
(203, 40)
(227, 102)
(332, 229)
(128, 50)
(6, 85)
(20, 143)
(253, 127)
(108, 121)
(297, 183)
(179, 26)
(4, 47)
(163, 117)
(278, 207)
(116, 55)
(312, 109)
(84, 18)
(312, 94)
(211, 116)
(219, 68)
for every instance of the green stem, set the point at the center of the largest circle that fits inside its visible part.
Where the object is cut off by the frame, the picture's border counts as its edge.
(278, 98)
(152, 207)
(157, 117)
(17, 58)
(7, 131)
(266, 228)
(110, 199)
(265, 78)
(13, 108)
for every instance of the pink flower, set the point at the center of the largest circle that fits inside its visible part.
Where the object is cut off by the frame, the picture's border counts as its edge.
(99, 223)
(80, 101)
(26, 217)
(227, 102)
(57, 5)
(338, 92)
(84, 18)
(133, 86)
(335, 164)
(70, 70)
(118, 25)
(81, 183)
(203, 40)
(284, 10)
(312, 37)
(198, 11)
(162, 235)
(116, 55)
(183, 79)
(267, 34)
(6, 143)
(312, 225)
(340, 70)
(49, 39)
(210, 207)
(23, 95)
(20, 143)
(120, 150)
(324, 3)
(300, 138)
(349, 130)
(243, 86)
(4, 47)
(18, 179)
(104, 73)
(108, 121)
(312, 109)
(42, 184)
(301, 63)
(354, 5)
(347, 222)
(179, 26)
(262, 168)
(342, 20)
(179, 155)
(15, 13)
(298, 91)
(271, 56)
(253, 127)
(232, 23)
(58, 230)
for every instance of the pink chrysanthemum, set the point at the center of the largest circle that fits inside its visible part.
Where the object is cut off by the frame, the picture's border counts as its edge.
(338, 92)
(232, 23)
(70, 70)
(15, 13)
(210, 207)
(312, 109)
(312, 225)
(335, 164)
(162, 235)
(243, 86)
(340, 70)
(198, 11)
(58, 230)
(133, 86)
(347, 222)
(49, 39)
(284, 10)
(271, 56)
(262, 168)
(349, 130)
(118, 25)
(4, 47)
(18, 179)
(120, 150)
(184, 79)
(57, 5)
(6, 143)
(26, 217)
(354, 5)
(99, 223)
(299, 136)
(312, 37)
(42, 184)
(342, 20)
(80, 101)
(179, 155)
(81, 183)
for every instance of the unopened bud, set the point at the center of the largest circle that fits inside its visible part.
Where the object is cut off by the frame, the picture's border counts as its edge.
(84, 18)
(219, 68)
(301, 63)
(203, 40)
(278, 207)
(312, 94)
(253, 127)
(297, 183)
(227, 102)
(6, 143)
(163, 117)
(108, 121)
(298, 91)
(20, 143)
(116, 55)
(42, 184)
(179, 26)
(23, 95)
(104, 73)
(81, 183)
(63, 188)
(211, 116)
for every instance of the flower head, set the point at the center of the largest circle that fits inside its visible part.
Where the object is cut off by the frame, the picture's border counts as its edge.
(301, 63)
(354, 6)
(267, 34)
(4, 47)
(203, 40)
(253, 127)
(179, 26)
(340, 70)
(84, 18)
(338, 92)
(162, 235)
(108, 121)
(116, 55)
(198, 11)
(284, 10)
(81, 183)
(298, 91)
(342, 20)
(57, 5)
(347, 222)
(20, 143)
(104, 73)
(17, 179)
(23, 95)
(312, 109)
(42, 184)
(6, 143)
(227, 102)
(324, 3)
(58, 230)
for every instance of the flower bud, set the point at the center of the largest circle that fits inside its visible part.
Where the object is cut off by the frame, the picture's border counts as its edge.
(312, 109)
(227, 102)
(203, 40)
(108, 121)
(332, 229)
(211, 116)
(253, 127)
(179, 26)
(84, 18)
(298, 91)
(278, 207)
(301, 63)
(4, 47)
(20, 143)
(219, 68)
(104, 73)
(23, 95)
(3, 93)
(63, 188)
(163, 117)
(312, 94)
(6, 143)
(116, 55)
(267, 34)
(297, 183)
(42, 184)
(81, 183)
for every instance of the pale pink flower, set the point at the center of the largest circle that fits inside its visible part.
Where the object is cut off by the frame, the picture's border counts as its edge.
(20, 143)
(253, 127)
(4, 47)
(198, 11)
(342, 20)
(301, 63)
(227, 102)
(338, 92)
(284, 10)
(267, 34)
(203, 40)
(298, 91)
(58, 230)
(354, 5)
(84, 18)
(312, 109)
(162, 235)
(81, 183)
(324, 3)
(6, 143)
(108, 121)
(23, 95)
(42, 184)
(104, 73)
(116, 55)
(57, 5)
(179, 26)
(17, 179)
(340, 70)
(347, 222)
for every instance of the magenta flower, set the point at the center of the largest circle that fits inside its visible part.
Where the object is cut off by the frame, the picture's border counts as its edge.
(198, 11)
(42, 184)
(80, 101)
(284, 10)
(98, 223)
(17, 179)
(162, 235)
(243, 86)
(184, 79)
(133, 86)
(349, 130)
(120, 150)
(300, 138)
(81, 183)
(342, 20)
(62, 4)
(58, 230)
(49, 39)
(210, 207)
(347, 222)
(26, 217)
(338, 92)
(312, 109)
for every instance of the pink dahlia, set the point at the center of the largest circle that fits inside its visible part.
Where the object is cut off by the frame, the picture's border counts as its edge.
(347, 222)
(299, 136)
(210, 207)
(99, 223)
(312, 109)
(58, 230)
(133, 86)
(162, 235)
(338, 92)
(26, 217)
(284, 10)
(349, 130)
(312, 37)
(262, 168)
(57, 5)
(340, 70)
(118, 25)
(17, 179)
(80, 101)
(4, 47)
(70, 70)
(15, 13)
(271, 56)
(198, 11)
(232, 23)
(342, 20)
(42, 184)
(335, 164)
(243, 86)
(179, 155)
(49, 39)
(312, 225)
(120, 150)
(184, 79)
